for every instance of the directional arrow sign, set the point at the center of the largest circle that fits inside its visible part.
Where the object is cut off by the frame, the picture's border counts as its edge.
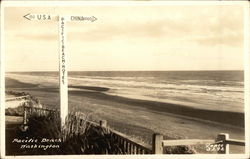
(63, 79)
(82, 18)
(43, 17)
(38, 16)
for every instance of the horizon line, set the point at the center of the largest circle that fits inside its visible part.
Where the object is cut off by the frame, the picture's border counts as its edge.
(125, 70)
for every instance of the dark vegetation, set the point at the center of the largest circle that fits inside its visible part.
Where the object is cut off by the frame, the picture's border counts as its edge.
(93, 139)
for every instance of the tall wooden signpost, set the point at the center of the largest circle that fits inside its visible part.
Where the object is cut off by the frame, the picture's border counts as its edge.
(63, 53)
(63, 75)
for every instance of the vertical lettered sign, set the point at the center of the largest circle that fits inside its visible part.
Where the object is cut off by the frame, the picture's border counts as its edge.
(63, 75)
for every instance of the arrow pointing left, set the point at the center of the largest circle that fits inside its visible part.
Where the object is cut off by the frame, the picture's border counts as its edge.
(27, 16)
(40, 17)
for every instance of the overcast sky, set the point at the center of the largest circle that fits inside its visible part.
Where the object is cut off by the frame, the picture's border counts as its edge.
(128, 38)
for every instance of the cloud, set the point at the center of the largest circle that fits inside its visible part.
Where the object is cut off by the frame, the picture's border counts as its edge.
(113, 31)
(231, 40)
(38, 36)
(130, 37)
(219, 31)
(207, 26)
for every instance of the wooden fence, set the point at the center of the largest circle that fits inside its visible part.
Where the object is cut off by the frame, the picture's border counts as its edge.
(35, 111)
(220, 144)
(75, 122)
(129, 145)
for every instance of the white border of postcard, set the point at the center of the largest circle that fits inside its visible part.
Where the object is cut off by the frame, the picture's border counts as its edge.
(107, 3)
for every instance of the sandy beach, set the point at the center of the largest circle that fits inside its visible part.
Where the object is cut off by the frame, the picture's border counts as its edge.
(140, 118)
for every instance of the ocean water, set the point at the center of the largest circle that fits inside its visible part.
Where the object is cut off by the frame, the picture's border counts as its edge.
(212, 90)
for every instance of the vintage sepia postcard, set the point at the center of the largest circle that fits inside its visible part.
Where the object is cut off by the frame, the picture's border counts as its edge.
(125, 79)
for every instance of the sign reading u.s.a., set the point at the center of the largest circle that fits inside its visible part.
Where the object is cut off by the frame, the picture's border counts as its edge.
(43, 17)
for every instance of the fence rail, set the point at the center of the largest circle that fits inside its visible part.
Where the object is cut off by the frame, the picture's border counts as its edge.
(129, 145)
(17, 98)
(31, 111)
(222, 140)
(235, 142)
(186, 142)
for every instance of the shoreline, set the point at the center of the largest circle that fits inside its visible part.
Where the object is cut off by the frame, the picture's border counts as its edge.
(225, 117)
(231, 118)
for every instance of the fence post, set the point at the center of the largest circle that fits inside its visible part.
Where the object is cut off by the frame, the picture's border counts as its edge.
(157, 146)
(103, 123)
(32, 110)
(24, 116)
(223, 137)
(24, 127)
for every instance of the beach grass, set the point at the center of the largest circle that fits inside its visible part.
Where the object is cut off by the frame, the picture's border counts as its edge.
(85, 139)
